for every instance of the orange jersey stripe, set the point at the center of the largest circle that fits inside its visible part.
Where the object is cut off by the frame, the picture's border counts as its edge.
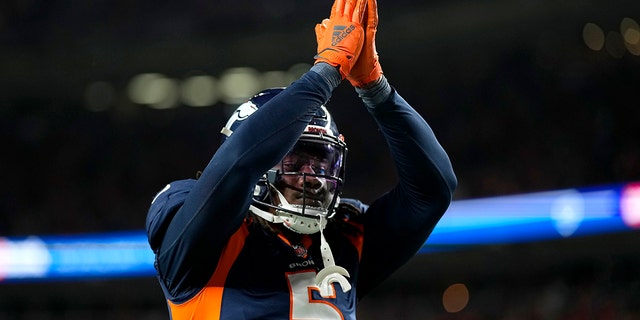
(207, 303)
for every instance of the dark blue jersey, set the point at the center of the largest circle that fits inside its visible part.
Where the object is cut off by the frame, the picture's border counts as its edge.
(215, 261)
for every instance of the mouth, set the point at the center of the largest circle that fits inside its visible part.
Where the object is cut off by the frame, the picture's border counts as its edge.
(315, 199)
(312, 203)
(304, 197)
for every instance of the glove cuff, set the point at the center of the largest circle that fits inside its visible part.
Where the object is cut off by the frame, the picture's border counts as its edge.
(337, 59)
(375, 92)
(328, 72)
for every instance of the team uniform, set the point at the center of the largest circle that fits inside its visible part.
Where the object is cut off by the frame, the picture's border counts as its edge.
(216, 261)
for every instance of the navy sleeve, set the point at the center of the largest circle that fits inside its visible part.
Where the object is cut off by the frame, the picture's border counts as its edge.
(218, 201)
(398, 223)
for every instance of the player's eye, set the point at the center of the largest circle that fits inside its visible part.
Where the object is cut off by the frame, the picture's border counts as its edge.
(320, 168)
(290, 166)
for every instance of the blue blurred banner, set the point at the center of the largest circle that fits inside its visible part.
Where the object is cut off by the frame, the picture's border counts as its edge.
(497, 220)
(538, 216)
(121, 254)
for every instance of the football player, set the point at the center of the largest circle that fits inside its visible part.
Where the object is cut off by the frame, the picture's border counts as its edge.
(265, 232)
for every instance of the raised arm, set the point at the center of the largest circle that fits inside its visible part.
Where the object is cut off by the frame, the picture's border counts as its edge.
(398, 223)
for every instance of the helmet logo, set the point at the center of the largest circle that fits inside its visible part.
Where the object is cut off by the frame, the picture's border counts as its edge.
(240, 114)
(245, 110)
(316, 129)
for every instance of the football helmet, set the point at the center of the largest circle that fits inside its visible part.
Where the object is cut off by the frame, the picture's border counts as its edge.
(311, 174)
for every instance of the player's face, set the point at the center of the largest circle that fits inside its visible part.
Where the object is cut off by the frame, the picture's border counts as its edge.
(304, 172)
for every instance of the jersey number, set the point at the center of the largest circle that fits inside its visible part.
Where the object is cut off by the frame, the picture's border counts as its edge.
(304, 306)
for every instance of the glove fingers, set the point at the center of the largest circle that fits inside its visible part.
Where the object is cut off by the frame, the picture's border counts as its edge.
(367, 67)
(348, 8)
(359, 10)
(321, 28)
(337, 10)
(319, 32)
(372, 14)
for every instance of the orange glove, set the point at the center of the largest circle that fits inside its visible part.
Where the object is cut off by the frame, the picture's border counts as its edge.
(367, 68)
(340, 37)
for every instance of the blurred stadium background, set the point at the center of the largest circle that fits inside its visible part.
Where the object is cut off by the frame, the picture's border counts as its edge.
(103, 102)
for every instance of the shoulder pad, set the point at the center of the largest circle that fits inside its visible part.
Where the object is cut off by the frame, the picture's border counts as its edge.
(163, 207)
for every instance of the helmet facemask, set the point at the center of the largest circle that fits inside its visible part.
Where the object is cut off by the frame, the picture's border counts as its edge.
(305, 187)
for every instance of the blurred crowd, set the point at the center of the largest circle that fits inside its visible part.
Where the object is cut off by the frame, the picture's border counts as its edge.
(517, 128)
(520, 105)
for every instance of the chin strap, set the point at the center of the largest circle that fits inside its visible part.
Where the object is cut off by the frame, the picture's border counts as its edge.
(330, 273)
(265, 215)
